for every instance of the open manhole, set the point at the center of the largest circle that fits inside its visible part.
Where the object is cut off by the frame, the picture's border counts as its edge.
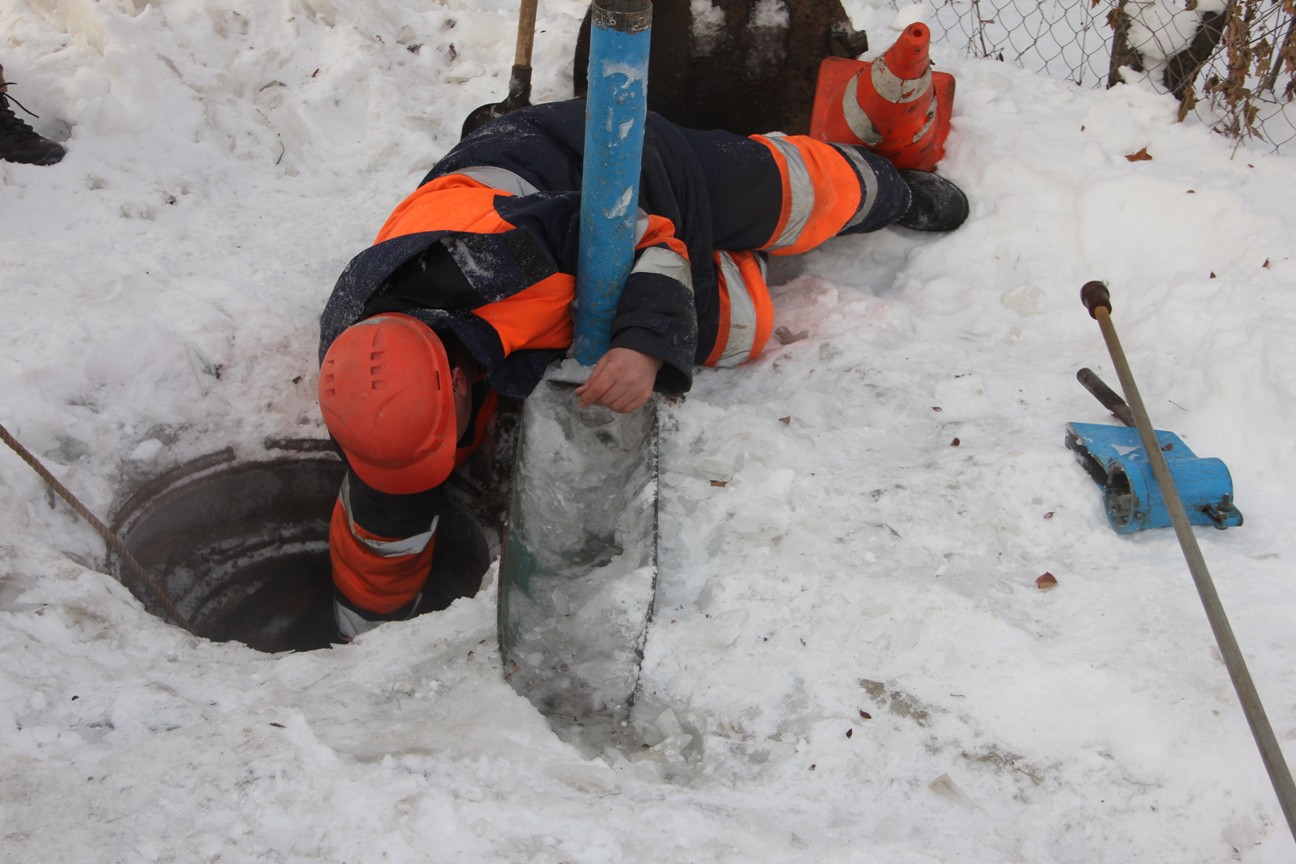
(239, 547)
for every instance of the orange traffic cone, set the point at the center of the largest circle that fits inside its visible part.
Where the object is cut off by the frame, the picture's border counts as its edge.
(895, 105)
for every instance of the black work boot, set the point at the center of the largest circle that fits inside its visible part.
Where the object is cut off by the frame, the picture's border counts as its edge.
(936, 205)
(18, 141)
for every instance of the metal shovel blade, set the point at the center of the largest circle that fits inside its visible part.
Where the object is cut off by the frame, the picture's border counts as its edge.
(519, 92)
(579, 567)
(519, 96)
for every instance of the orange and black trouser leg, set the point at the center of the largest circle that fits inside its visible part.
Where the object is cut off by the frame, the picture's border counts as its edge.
(787, 194)
(828, 190)
(781, 195)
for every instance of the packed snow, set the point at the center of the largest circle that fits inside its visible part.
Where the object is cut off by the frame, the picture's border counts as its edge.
(850, 659)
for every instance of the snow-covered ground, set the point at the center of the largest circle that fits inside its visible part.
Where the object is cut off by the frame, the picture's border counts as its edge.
(850, 659)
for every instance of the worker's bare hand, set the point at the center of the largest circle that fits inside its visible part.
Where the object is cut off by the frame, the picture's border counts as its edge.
(622, 380)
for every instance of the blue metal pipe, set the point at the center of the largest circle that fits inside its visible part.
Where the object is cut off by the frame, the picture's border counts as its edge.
(616, 107)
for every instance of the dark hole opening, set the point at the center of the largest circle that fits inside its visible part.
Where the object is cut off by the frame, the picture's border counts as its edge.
(241, 548)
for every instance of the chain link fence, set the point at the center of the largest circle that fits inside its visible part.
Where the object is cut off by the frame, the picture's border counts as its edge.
(1230, 63)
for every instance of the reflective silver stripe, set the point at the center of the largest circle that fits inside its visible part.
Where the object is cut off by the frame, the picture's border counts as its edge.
(351, 623)
(742, 311)
(664, 262)
(868, 183)
(385, 548)
(800, 189)
(893, 88)
(890, 87)
(860, 124)
(641, 226)
(499, 178)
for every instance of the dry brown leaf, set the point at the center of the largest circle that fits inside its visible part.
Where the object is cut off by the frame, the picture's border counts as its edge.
(787, 337)
(1141, 156)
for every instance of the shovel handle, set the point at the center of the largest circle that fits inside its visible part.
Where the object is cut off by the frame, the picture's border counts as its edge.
(526, 33)
(107, 533)
(1098, 302)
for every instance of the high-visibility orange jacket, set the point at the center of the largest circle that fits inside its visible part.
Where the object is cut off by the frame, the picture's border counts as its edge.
(486, 249)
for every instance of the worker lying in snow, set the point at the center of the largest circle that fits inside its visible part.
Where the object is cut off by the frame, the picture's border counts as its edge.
(467, 292)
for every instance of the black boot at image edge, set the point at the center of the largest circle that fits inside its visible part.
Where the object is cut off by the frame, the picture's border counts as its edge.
(18, 141)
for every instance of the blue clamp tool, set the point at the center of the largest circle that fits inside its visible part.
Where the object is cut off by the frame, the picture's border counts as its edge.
(1114, 457)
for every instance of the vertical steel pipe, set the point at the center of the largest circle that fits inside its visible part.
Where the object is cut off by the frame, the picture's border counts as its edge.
(616, 108)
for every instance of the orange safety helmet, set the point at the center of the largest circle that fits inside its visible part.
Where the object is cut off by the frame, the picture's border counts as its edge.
(386, 397)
